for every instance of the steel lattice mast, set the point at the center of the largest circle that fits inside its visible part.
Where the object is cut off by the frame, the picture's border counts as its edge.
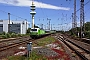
(82, 26)
(72, 20)
(32, 13)
(75, 21)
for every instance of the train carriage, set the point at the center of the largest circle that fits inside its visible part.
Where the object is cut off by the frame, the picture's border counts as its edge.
(37, 32)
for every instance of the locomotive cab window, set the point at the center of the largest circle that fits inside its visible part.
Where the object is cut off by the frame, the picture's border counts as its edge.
(33, 29)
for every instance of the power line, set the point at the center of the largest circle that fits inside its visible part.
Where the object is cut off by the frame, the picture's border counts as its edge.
(12, 14)
(84, 5)
(42, 10)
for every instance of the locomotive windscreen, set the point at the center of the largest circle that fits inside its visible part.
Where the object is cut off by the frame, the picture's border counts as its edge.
(33, 29)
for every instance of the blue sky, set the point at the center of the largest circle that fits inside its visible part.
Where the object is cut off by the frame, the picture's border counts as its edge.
(59, 11)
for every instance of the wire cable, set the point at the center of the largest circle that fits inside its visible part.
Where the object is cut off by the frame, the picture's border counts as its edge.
(84, 5)
(13, 14)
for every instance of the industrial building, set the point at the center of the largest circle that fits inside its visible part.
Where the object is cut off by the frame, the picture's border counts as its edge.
(14, 26)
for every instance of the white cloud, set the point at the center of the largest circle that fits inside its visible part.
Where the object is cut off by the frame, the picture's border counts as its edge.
(28, 3)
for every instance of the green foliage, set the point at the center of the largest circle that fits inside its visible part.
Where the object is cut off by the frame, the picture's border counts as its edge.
(87, 26)
(19, 35)
(4, 36)
(0, 33)
(71, 32)
(8, 35)
(78, 28)
(45, 41)
(87, 30)
(28, 31)
(3, 33)
(35, 56)
(60, 32)
(23, 34)
(13, 35)
(16, 58)
(87, 34)
(36, 26)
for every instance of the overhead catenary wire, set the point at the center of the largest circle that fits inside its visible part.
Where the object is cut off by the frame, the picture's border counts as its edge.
(79, 8)
(42, 10)
(84, 5)
(86, 12)
(12, 14)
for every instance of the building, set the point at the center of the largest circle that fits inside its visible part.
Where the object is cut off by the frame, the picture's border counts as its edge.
(14, 26)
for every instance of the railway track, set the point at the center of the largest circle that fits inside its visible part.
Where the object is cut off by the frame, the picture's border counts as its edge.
(9, 43)
(11, 39)
(81, 51)
(6, 42)
(81, 45)
(12, 46)
(85, 40)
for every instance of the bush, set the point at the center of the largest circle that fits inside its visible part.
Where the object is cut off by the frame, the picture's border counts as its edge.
(13, 35)
(19, 35)
(87, 34)
(4, 36)
(8, 35)
(0, 33)
(3, 33)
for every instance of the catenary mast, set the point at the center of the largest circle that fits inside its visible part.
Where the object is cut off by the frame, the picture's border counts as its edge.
(32, 13)
(75, 21)
(82, 26)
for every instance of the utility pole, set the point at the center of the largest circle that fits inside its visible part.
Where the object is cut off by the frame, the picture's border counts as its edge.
(9, 22)
(82, 26)
(49, 23)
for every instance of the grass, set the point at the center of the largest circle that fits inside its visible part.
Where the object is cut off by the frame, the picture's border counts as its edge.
(34, 55)
(44, 41)
(16, 58)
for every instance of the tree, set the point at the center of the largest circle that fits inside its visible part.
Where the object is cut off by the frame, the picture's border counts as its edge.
(28, 30)
(87, 26)
(35, 26)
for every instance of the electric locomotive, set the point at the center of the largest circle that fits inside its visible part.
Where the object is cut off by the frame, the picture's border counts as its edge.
(36, 32)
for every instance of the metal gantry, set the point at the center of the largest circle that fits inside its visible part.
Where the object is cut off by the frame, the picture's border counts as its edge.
(72, 20)
(82, 26)
(75, 20)
(49, 23)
